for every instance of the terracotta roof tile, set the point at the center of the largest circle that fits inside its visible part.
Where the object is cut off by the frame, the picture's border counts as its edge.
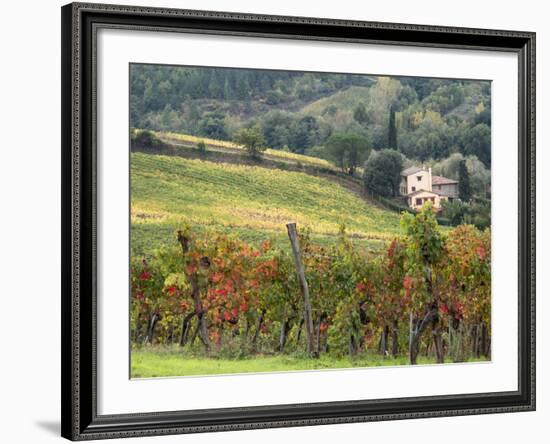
(440, 180)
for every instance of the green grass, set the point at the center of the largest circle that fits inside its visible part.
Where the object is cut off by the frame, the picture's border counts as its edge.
(171, 361)
(251, 202)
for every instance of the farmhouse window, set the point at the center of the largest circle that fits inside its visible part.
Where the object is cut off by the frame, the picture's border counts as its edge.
(418, 201)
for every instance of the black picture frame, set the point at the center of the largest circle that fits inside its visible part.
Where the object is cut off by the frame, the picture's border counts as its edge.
(80, 420)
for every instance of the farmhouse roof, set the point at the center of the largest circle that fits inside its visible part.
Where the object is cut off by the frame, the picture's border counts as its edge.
(440, 180)
(411, 170)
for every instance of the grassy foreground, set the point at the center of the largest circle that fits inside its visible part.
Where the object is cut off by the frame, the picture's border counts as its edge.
(149, 363)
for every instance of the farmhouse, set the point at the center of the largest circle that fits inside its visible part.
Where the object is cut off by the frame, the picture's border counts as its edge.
(418, 185)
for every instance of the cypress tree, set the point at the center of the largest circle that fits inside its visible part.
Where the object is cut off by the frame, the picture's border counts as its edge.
(464, 188)
(392, 130)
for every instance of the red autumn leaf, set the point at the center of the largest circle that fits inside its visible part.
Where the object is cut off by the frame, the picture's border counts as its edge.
(361, 287)
(407, 282)
(458, 309)
(216, 277)
(145, 276)
(391, 250)
(480, 252)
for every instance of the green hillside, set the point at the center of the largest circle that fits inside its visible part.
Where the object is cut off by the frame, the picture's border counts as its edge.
(299, 111)
(251, 202)
(346, 99)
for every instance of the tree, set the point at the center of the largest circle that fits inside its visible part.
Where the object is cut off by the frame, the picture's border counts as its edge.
(212, 125)
(484, 115)
(480, 176)
(455, 211)
(276, 128)
(201, 147)
(477, 141)
(148, 94)
(392, 130)
(360, 114)
(145, 140)
(383, 172)
(252, 140)
(347, 150)
(464, 189)
(431, 138)
(302, 133)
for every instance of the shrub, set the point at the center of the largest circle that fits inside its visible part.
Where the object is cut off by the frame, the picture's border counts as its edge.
(201, 147)
(252, 140)
(145, 140)
(455, 211)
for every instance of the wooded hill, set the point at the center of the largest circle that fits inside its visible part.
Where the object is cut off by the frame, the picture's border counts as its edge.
(300, 111)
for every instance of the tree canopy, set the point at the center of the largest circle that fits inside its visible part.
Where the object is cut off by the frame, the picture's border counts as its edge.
(383, 172)
(252, 139)
(348, 150)
(464, 189)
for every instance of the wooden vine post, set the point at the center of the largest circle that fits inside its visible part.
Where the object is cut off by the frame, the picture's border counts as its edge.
(308, 319)
(192, 277)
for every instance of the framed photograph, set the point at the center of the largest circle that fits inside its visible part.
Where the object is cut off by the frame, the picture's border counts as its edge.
(282, 221)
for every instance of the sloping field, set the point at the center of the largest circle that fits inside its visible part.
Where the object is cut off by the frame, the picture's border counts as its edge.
(223, 145)
(251, 202)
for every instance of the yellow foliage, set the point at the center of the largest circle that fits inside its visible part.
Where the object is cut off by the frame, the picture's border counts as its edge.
(434, 117)
(480, 107)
